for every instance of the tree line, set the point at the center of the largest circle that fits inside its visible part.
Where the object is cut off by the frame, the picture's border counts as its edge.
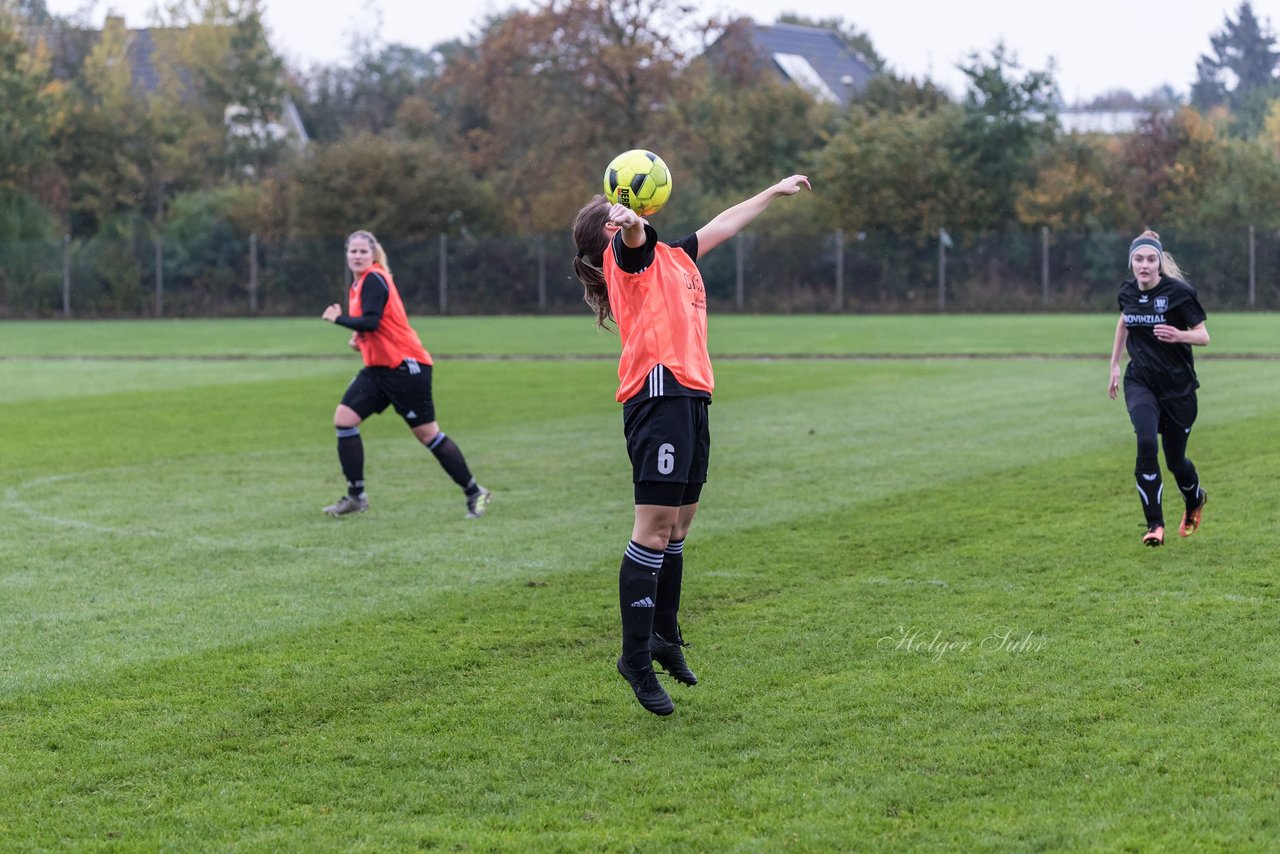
(500, 137)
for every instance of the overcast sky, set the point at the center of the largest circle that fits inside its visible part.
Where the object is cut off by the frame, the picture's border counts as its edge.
(1096, 45)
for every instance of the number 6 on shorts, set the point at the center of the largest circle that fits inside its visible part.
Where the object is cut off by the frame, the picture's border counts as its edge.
(666, 458)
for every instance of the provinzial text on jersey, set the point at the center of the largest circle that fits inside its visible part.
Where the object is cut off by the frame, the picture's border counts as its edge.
(1130, 319)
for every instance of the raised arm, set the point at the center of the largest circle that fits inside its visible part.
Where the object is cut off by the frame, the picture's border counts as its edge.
(631, 224)
(728, 223)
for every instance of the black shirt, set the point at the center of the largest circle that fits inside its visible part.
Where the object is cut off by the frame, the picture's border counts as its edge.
(373, 301)
(1169, 370)
(637, 260)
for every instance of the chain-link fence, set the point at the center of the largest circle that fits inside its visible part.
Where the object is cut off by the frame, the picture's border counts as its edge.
(756, 272)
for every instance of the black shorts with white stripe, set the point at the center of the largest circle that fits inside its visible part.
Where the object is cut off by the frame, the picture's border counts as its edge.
(669, 442)
(662, 383)
(407, 387)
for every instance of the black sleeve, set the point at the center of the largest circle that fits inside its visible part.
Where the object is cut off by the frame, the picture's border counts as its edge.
(1192, 312)
(373, 299)
(689, 245)
(637, 259)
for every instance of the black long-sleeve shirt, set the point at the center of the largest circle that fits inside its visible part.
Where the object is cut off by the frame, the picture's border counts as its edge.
(373, 300)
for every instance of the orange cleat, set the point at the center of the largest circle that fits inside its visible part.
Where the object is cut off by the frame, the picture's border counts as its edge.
(1191, 518)
(1154, 536)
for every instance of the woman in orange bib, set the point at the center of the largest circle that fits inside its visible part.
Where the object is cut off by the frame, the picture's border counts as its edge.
(653, 292)
(397, 373)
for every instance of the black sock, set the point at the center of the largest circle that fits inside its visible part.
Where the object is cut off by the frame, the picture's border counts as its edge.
(637, 587)
(351, 458)
(451, 460)
(668, 598)
(1151, 488)
(1188, 484)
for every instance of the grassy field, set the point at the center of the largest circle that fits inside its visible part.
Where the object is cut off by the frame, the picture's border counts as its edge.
(732, 335)
(919, 609)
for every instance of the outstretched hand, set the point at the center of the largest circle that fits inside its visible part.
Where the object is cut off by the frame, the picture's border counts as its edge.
(791, 186)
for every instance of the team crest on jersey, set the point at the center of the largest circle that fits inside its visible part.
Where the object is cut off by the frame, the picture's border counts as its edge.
(1162, 304)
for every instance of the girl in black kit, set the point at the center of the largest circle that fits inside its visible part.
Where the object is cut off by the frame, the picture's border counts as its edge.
(1160, 318)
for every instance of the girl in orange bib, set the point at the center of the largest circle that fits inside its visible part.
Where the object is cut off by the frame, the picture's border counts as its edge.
(653, 292)
(397, 372)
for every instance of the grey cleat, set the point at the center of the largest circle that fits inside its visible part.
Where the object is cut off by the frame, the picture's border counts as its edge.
(478, 504)
(347, 504)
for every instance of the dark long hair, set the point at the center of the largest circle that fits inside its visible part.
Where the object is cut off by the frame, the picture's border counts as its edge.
(591, 241)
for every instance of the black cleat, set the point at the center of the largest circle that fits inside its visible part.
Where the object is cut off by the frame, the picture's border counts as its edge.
(649, 690)
(670, 655)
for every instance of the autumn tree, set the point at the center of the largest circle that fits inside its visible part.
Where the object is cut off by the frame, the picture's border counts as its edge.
(410, 188)
(104, 145)
(1245, 189)
(1240, 71)
(222, 82)
(30, 101)
(366, 97)
(1167, 164)
(543, 99)
(740, 127)
(187, 105)
(1076, 188)
(1008, 116)
(27, 119)
(891, 93)
(894, 172)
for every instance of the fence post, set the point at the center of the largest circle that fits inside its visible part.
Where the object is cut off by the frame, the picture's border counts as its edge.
(738, 255)
(943, 240)
(839, 269)
(1044, 264)
(253, 273)
(159, 276)
(444, 273)
(542, 274)
(1253, 270)
(66, 275)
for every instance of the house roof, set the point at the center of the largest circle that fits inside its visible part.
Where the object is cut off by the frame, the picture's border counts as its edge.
(813, 58)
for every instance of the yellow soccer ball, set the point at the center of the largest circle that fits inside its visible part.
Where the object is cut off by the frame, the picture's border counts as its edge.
(638, 179)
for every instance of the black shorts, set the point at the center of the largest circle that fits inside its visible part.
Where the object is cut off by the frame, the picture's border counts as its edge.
(669, 443)
(407, 388)
(1179, 412)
